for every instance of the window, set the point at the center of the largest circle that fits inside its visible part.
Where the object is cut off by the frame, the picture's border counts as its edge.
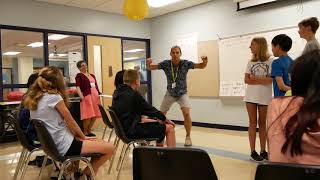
(134, 57)
(64, 52)
(135, 53)
(22, 53)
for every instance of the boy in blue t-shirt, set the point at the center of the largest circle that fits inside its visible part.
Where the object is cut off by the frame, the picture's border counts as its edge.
(281, 44)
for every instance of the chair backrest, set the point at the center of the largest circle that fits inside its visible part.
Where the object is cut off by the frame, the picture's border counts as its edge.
(172, 164)
(118, 127)
(282, 171)
(105, 117)
(20, 134)
(47, 143)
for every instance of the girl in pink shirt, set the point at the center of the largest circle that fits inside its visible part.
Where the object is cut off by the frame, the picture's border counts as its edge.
(294, 122)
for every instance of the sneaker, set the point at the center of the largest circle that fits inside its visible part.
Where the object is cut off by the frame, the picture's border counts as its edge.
(264, 155)
(188, 141)
(256, 157)
(91, 135)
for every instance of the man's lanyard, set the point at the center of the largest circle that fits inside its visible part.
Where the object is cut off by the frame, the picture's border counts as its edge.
(174, 75)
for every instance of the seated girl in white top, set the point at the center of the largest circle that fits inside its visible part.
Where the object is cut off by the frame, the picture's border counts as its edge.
(48, 101)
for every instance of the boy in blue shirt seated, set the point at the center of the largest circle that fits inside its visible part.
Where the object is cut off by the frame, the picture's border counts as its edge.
(24, 118)
(281, 44)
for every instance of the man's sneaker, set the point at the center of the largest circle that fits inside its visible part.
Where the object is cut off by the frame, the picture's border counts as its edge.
(256, 157)
(188, 141)
(264, 155)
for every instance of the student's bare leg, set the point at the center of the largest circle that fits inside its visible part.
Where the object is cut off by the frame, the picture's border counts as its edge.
(170, 135)
(262, 126)
(97, 146)
(187, 120)
(93, 120)
(86, 125)
(252, 112)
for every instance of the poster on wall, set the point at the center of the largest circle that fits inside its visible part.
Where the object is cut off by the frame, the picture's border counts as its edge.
(189, 46)
(73, 58)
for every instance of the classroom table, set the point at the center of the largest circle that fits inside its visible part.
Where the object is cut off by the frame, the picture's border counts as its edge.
(7, 132)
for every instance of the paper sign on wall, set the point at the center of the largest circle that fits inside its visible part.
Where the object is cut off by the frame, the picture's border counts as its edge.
(189, 47)
(232, 88)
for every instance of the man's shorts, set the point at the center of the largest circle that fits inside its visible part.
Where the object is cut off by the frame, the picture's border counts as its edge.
(168, 100)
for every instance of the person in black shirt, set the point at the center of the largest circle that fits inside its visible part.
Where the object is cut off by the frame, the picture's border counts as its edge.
(129, 106)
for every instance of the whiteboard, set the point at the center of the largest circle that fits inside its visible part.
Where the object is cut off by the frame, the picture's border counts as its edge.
(234, 54)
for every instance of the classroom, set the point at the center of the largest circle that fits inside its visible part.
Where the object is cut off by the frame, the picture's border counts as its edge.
(159, 89)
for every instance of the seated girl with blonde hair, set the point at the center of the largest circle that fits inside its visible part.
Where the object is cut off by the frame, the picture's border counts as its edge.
(47, 101)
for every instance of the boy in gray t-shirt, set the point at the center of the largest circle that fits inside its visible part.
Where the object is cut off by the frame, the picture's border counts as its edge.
(311, 46)
(176, 71)
(307, 30)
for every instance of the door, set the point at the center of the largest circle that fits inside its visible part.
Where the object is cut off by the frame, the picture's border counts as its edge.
(104, 61)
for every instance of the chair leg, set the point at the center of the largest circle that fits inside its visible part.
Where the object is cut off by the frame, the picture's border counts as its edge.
(90, 167)
(26, 161)
(125, 153)
(20, 163)
(121, 156)
(110, 135)
(62, 170)
(104, 132)
(116, 142)
(43, 166)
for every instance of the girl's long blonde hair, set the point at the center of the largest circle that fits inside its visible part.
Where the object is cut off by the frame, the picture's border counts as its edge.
(263, 54)
(50, 81)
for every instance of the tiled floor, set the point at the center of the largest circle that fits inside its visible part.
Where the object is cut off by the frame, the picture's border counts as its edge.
(228, 151)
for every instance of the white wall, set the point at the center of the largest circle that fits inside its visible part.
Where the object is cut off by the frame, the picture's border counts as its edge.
(219, 17)
(29, 13)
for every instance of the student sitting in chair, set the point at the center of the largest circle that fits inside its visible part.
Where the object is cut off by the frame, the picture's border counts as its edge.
(129, 106)
(47, 101)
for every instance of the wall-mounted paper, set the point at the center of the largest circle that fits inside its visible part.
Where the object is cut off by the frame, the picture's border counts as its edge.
(225, 88)
(189, 46)
(232, 88)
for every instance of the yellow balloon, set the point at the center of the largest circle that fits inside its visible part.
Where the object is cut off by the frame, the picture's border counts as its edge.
(136, 9)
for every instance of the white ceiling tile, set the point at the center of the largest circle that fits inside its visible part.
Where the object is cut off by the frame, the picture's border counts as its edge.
(56, 1)
(86, 3)
(113, 6)
(116, 6)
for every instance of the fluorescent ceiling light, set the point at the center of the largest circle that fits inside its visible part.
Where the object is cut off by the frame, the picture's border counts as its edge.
(131, 58)
(59, 55)
(11, 53)
(160, 3)
(250, 3)
(134, 50)
(56, 37)
(36, 44)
